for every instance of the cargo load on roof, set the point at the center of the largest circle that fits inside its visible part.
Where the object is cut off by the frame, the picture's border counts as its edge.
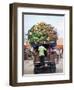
(42, 33)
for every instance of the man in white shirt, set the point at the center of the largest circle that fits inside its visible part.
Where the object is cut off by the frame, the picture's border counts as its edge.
(41, 50)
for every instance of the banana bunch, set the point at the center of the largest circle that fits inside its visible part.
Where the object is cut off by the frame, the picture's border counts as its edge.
(41, 32)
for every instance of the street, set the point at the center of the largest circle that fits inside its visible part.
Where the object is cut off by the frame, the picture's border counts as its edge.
(29, 66)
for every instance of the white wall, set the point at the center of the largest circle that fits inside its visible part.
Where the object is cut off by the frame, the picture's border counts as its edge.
(4, 46)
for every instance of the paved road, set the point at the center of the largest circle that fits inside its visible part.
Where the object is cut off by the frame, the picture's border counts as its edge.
(59, 66)
(29, 67)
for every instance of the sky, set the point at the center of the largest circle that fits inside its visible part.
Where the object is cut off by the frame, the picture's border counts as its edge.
(56, 21)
